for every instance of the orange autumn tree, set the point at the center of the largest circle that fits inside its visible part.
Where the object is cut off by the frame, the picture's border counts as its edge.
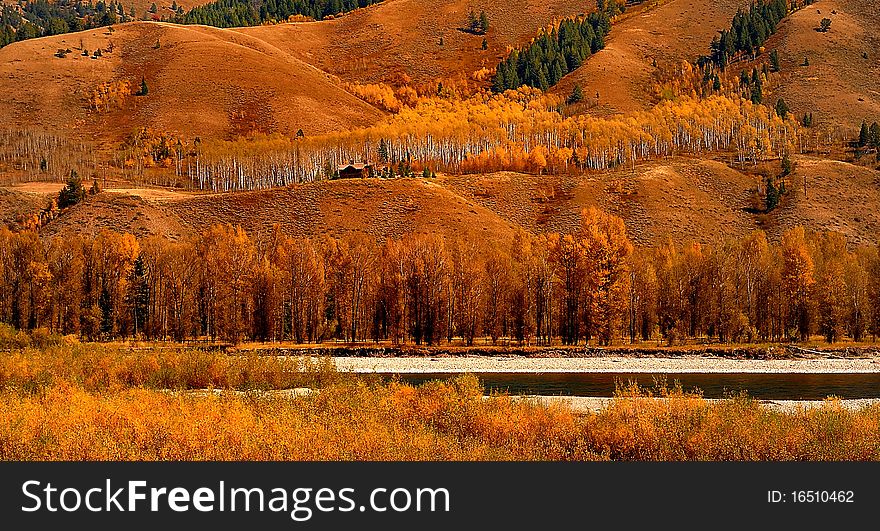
(607, 251)
(798, 281)
(227, 256)
(566, 257)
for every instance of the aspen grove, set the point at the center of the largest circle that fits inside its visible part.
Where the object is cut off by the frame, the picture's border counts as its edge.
(520, 130)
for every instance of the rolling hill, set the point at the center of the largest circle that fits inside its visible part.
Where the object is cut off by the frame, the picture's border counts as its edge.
(670, 32)
(686, 199)
(383, 41)
(840, 84)
(220, 83)
(683, 198)
(380, 208)
(202, 82)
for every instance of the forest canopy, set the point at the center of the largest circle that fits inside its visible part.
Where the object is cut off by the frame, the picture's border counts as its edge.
(234, 13)
(40, 18)
(553, 54)
(589, 285)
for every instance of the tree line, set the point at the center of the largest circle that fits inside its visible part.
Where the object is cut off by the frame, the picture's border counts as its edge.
(749, 30)
(236, 13)
(589, 286)
(40, 18)
(555, 53)
(515, 131)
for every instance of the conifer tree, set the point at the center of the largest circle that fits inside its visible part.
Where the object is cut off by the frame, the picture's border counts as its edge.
(73, 192)
(577, 94)
(864, 135)
(144, 90)
(774, 61)
(875, 135)
(781, 108)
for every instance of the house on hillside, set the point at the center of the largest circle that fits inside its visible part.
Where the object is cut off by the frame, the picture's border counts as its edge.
(355, 170)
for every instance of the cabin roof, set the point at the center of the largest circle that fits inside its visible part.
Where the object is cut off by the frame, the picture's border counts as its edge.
(353, 166)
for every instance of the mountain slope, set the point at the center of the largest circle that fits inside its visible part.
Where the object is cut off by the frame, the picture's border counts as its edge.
(669, 33)
(840, 85)
(202, 81)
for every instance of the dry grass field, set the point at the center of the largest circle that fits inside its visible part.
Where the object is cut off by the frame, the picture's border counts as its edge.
(687, 199)
(840, 84)
(666, 32)
(118, 212)
(395, 37)
(202, 81)
(70, 401)
(15, 205)
(379, 208)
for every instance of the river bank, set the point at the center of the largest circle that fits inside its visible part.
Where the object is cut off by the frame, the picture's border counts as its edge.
(589, 404)
(610, 364)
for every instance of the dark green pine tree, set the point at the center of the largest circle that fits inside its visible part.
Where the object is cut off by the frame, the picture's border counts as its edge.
(864, 135)
(875, 135)
(144, 88)
(787, 166)
(577, 94)
(808, 120)
(757, 94)
(772, 196)
(73, 192)
(472, 21)
(781, 108)
(774, 61)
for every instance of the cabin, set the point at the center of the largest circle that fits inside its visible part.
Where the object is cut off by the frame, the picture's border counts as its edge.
(355, 170)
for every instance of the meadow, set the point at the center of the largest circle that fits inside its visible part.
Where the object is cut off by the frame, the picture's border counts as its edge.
(65, 400)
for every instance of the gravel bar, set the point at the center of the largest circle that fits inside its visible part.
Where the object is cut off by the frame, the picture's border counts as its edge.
(681, 364)
(590, 404)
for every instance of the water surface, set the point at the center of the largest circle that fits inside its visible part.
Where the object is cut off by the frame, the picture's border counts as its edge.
(776, 386)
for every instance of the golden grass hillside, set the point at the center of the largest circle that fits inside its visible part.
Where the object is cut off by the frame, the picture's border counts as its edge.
(119, 212)
(840, 84)
(383, 41)
(377, 207)
(202, 82)
(16, 206)
(685, 198)
(666, 32)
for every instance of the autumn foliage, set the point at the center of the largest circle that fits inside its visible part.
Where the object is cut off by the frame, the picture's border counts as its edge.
(519, 130)
(362, 420)
(588, 286)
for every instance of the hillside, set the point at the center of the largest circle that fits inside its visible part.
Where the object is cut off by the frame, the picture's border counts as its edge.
(686, 199)
(16, 205)
(383, 41)
(120, 212)
(840, 84)
(203, 82)
(624, 73)
(380, 208)
(832, 195)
